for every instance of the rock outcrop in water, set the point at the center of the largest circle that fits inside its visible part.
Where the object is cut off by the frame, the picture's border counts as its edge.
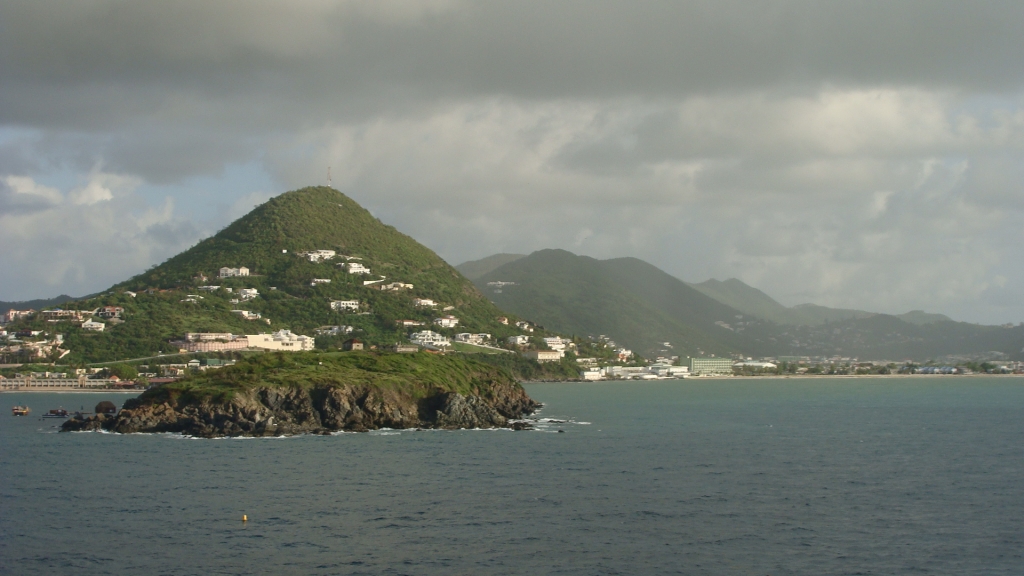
(284, 402)
(277, 412)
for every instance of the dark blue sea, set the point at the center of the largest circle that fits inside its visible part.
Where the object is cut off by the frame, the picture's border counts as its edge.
(816, 476)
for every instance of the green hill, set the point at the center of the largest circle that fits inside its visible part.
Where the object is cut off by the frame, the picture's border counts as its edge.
(476, 268)
(635, 303)
(268, 241)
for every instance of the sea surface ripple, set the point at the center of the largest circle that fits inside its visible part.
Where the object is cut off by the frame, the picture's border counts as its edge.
(741, 476)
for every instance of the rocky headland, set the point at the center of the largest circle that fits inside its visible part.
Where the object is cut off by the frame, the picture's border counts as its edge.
(356, 392)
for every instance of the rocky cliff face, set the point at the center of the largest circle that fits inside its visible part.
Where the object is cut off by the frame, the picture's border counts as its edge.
(278, 411)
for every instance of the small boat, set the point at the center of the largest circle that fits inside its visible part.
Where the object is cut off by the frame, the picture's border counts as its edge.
(56, 413)
(20, 410)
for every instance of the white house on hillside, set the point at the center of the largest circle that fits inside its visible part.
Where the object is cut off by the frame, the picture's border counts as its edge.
(339, 305)
(472, 338)
(229, 272)
(429, 338)
(319, 255)
(520, 340)
(424, 302)
(357, 268)
(448, 321)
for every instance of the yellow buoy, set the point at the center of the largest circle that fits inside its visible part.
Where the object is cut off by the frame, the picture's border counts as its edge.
(245, 518)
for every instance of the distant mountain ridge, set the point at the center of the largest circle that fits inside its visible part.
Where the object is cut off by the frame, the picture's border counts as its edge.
(35, 304)
(750, 300)
(642, 307)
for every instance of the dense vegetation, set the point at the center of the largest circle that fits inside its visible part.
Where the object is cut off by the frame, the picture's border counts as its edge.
(418, 375)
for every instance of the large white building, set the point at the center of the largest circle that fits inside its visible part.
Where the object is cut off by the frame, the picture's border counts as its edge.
(472, 338)
(280, 340)
(248, 293)
(340, 305)
(429, 338)
(357, 268)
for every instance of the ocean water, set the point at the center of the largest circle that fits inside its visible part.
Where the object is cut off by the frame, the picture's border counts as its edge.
(899, 476)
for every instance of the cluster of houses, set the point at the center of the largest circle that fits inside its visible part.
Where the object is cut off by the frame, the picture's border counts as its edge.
(31, 344)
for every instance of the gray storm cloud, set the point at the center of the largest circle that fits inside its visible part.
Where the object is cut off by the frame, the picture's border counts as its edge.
(859, 154)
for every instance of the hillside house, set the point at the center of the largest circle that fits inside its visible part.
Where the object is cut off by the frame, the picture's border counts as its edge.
(520, 340)
(110, 312)
(248, 293)
(318, 255)
(404, 348)
(395, 286)
(424, 302)
(352, 344)
(13, 315)
(232, 272)
(503, 320)
(248, 315)
(429, 338)
(468, 338)
(356, 268)
(93, 326)
(341, 305)
(407, 323)
(209, 288)
(447, 321)
(524, 326)
(556, 343)
(320, 281)
(59, 315)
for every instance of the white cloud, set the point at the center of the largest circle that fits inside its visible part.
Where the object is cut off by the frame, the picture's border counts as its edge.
(95, 236)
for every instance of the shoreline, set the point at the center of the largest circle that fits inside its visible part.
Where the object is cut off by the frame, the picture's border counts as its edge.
(777, 377)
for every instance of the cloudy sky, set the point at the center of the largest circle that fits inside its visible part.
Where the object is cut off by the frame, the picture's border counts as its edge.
(854, 154)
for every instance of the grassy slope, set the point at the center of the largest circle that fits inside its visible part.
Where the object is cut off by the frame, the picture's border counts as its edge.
(418, 375)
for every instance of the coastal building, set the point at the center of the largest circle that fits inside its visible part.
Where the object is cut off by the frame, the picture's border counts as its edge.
(429, 338)
(592, 374)
(542, 355)
(232, 272)
(280, 340)
(710, 366)
(342, 305)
